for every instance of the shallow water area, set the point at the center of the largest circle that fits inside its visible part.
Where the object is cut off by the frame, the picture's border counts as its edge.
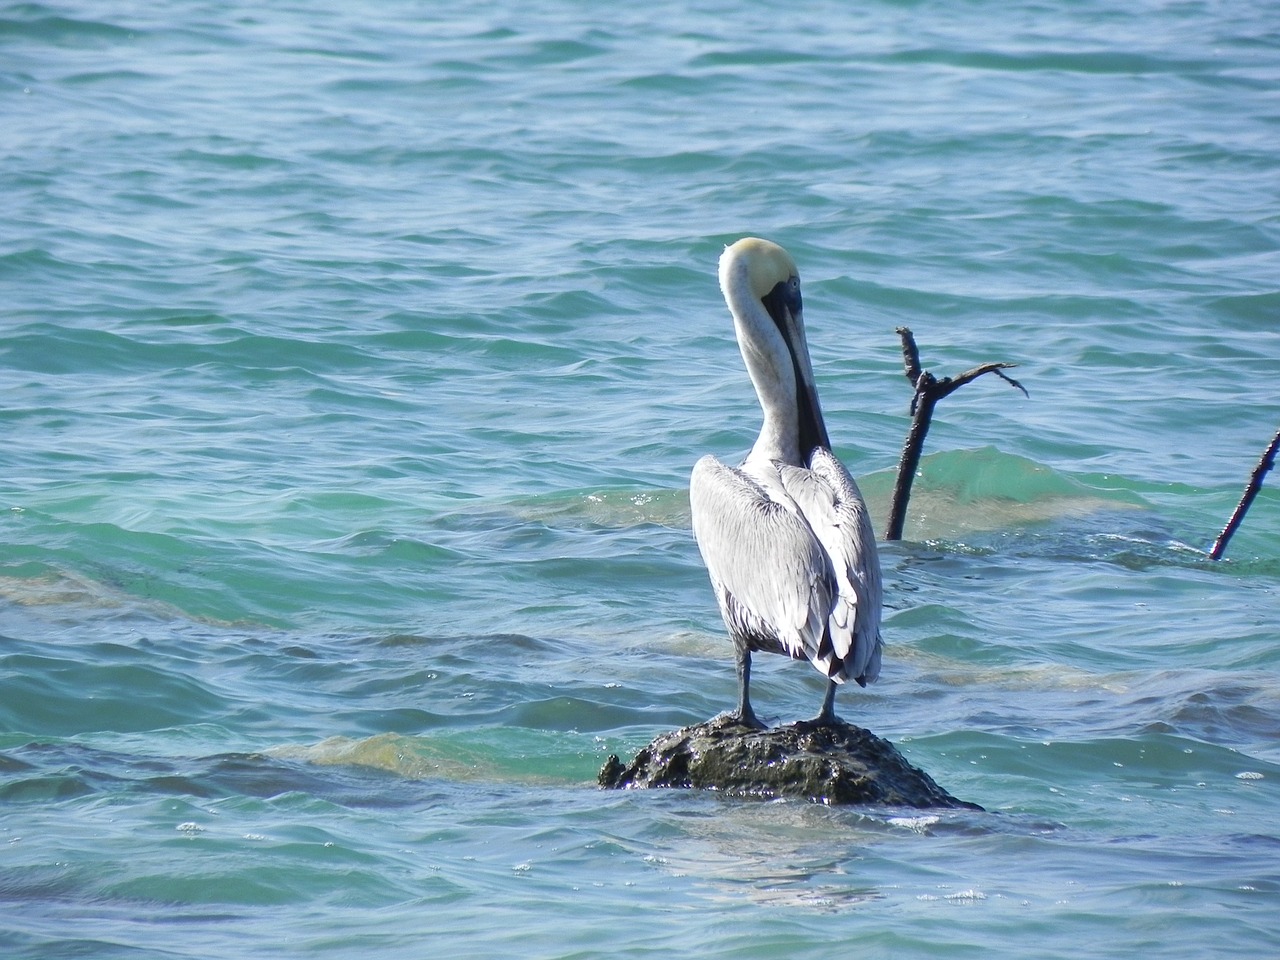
(355, 363)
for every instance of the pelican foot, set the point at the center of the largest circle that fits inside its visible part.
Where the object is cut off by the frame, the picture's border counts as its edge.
(738, 718)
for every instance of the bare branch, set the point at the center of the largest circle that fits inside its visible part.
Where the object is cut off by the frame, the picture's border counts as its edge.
(910, 355)
(954, 383)
(928, 390)
(1255, 484)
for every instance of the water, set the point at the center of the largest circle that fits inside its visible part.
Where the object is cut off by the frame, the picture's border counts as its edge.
(353, 366)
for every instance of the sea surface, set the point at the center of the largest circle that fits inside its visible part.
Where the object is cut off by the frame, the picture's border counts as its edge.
(353, 360)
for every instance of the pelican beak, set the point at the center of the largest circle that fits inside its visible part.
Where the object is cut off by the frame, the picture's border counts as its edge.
(786, 307)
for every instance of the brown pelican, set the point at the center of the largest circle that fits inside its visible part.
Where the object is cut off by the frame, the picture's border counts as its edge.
(786, 536)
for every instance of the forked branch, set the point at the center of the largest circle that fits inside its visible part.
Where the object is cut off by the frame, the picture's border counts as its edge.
(928, 391)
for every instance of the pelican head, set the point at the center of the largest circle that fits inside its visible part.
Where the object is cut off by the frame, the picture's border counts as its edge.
(767, 265)
(761, 285)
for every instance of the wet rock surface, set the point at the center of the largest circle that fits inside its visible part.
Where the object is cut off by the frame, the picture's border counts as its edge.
(835, 763)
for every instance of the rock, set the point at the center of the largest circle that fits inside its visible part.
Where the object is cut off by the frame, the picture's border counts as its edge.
(834, 763)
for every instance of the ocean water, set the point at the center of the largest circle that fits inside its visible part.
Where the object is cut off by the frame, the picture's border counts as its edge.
(353, 361)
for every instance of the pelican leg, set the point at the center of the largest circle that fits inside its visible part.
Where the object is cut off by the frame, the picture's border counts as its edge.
(746, 716)
(828, 712)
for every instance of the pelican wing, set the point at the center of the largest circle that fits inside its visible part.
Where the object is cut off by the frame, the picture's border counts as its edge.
(832, 505)
(770, 573)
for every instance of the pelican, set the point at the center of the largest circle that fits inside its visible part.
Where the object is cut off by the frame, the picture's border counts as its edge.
(785, 536)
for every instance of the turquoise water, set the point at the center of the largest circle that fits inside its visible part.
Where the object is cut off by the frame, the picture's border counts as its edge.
(353, 365)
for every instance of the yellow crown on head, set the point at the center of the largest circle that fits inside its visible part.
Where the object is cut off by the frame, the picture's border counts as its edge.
(767, 264)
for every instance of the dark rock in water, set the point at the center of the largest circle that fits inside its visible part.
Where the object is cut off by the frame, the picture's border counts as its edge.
(834, 763)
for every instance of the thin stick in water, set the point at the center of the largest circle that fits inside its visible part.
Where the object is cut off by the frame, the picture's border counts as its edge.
(1255, 484)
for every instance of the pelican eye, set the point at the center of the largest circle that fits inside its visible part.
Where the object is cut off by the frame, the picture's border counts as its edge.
(794, 301)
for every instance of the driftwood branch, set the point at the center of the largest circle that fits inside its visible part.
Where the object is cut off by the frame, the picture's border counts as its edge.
(928, 391)
(1255, 484)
